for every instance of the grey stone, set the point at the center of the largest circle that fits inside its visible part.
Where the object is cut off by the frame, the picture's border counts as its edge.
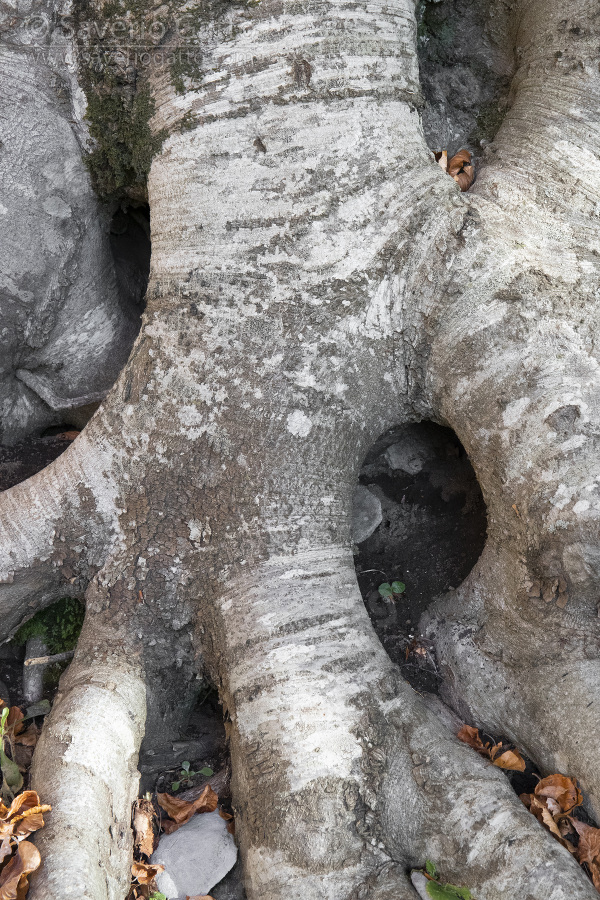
(420, 884)
(409, 454)
(196, 857)
(366, 514)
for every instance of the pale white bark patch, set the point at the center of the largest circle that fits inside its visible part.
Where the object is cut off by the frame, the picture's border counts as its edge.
(514, 411)
(299, 424)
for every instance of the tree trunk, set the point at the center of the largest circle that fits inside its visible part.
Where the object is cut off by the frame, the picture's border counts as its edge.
(317, 279)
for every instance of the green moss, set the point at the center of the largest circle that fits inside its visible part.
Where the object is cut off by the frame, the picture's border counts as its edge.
(125, 143)
(120, 103)
(188, 122)
(185, 65)
(59, 625)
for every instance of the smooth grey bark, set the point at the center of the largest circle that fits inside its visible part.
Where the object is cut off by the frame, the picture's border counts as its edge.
(316, 280)
(65, 332)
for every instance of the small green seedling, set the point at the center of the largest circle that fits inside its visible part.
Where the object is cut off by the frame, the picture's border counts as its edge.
(447, 891)
(158, 896)
(187, 774)
(391, 590)
(439, 891)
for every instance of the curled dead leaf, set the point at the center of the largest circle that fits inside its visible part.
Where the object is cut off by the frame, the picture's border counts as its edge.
(459, 167)
(504, 759)
(588, 849)
(548, 820)
(146, 872)
(564, 790)
(469, 735)
(181, 811)
(24, 816)
(229, 819)
(441, 157)
(143, 827)
(460, 159)
(510, 759)
(465, 178)
(13, 877)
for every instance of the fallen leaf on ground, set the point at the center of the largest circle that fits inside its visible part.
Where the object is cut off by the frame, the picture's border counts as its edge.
(460, 167)
(510, 759)
(181, 811)
(588, 849)
(13, 877)
(29, 737)
(143, 826)
(463, 157)
(68, 435)
(441, 157)
(565, 791)
(229, 819)
(507, 759)
(469, 735)
(145, 872)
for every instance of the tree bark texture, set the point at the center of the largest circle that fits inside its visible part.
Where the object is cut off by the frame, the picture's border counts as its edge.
(317, 279)
(65, 331)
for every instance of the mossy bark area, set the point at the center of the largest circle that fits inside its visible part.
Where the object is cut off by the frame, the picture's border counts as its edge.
(124, 48)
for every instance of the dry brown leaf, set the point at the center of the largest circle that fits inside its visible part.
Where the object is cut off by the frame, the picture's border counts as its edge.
(562, 789)
(441, 158)
(68, 435)
(460, 168)
(13, 877)
(29, 737)
(145, 872)
(465, 178)
(181, 811)
(509, 759)
(6, 849)
(14, 720)
(588, 848)
(24, 816)
(140, 891)
(229, 819)
(460, 159)
(552, 826)
(143, 819)
(469, 735)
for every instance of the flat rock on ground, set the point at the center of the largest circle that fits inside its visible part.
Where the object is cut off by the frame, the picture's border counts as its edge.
(196, 857)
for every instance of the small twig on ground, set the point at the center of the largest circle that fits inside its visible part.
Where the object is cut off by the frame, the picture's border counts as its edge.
(45, 660)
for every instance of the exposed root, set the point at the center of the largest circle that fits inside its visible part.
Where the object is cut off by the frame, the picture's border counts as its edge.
(54, 530)
(389, 780)
(549, 710)
(85, 764)
(444, 803)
